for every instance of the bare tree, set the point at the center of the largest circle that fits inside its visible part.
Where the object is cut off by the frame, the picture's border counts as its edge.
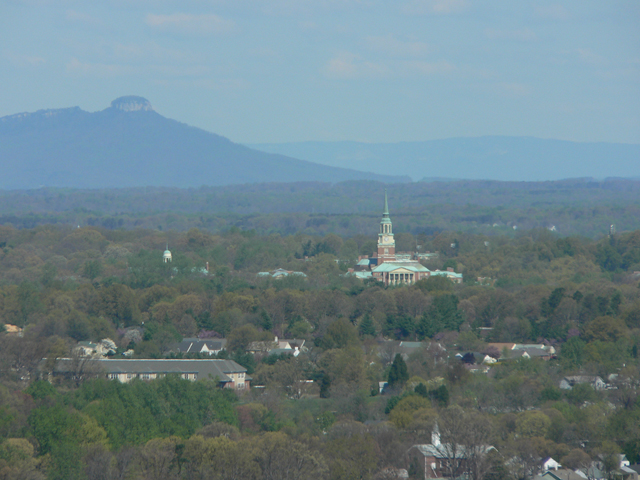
(388, 351)
(526, 460)
(123, 463)
(462, 441)
(99, 463)
(447, 441)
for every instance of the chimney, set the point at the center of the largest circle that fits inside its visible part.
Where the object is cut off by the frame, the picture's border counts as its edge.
(449, 269)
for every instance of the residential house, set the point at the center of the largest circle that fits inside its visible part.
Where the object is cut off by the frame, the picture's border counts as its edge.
(10, 329)
(229, 373)
(280, 273)
(550, 464)
(567, 383)
(387, 349)
(515, 351)
(531, 352)
(103, 348)
(476, 358)
(559, 474)
(291, 345)
(206, 346)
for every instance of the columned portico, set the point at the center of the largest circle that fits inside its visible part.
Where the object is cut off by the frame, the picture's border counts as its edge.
(400, 273)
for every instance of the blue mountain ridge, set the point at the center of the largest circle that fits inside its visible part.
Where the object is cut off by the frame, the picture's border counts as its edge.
(475, 158)
(129, 145)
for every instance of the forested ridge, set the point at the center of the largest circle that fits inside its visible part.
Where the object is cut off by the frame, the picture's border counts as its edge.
(320, 414)
(584, 207)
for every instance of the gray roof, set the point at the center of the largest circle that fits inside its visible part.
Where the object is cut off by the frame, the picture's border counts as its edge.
(446, 451)
(531, 351)
(203, 368)
(195, 345)
(280, 351)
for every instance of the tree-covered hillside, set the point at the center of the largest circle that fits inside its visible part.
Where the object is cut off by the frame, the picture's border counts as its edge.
(319, 414)
(572, 207)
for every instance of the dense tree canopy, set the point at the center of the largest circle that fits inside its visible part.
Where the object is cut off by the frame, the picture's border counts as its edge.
(307, 413)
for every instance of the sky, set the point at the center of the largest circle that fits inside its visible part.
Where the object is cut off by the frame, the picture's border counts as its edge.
(266, 71)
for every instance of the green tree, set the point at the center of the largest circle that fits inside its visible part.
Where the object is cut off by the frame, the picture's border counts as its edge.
(572, 352)
(119, 303)
(340, 334)
(92, 269)
(399, 374)
(28, 301)
(367, 327)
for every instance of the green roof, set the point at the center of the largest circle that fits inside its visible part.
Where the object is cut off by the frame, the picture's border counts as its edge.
(392, 266)
(445, 273)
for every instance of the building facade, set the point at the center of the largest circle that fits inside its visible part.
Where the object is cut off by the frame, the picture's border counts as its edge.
(396, 268)
(228, 373)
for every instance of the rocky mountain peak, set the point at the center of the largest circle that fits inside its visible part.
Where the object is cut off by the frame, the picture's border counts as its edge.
(132, 103)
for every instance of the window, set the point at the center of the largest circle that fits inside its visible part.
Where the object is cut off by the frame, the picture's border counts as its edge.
(146, 376)
(386, 250)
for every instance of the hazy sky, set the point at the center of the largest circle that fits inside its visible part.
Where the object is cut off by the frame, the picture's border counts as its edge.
(367, 70)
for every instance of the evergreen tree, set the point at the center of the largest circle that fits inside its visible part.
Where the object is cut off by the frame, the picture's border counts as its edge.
(398, 375)
(367, 327)
(266, 323)
(325, 385)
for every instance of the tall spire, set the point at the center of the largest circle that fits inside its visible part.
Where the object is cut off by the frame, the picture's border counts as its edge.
(385, 214)
(386, 204)
(385, 223)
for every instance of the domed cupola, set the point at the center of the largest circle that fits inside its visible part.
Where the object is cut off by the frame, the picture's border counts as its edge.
(166, 256)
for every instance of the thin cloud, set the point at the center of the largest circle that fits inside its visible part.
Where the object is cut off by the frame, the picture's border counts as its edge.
(552, 12)
(515, 89)
(590, 57)
(75, 16)
(430, 68)
(390, 45)
(24, 60)
(76, 67)
(521, 35)
(346, 65)
(188, 24)
(151, 51)
(435, 7)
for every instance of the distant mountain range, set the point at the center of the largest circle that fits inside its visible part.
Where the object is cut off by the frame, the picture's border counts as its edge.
(130, 145)
(479, 158)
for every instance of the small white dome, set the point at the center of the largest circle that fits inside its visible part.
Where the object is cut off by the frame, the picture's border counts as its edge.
(166, 256)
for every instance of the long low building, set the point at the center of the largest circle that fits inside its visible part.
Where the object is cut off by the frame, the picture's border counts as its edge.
(229, 373)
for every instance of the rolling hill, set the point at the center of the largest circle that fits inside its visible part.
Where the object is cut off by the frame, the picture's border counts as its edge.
(475, 158)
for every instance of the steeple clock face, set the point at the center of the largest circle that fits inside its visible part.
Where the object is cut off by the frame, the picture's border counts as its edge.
(386, 239)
